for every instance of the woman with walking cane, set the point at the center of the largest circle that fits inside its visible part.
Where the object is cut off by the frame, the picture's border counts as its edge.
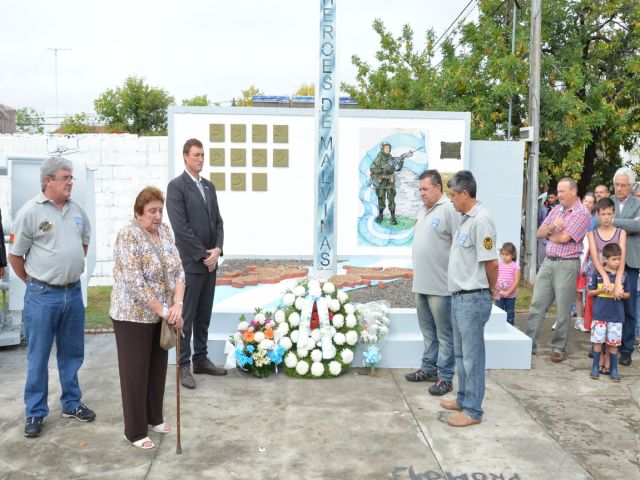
(148, 290)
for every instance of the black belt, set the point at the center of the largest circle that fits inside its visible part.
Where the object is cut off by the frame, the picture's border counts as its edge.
(464, 292)
(68, 285)
(558, 259)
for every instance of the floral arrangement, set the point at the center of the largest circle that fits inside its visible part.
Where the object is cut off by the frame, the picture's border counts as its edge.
(375, 328)
(255, 344)
(319, 330)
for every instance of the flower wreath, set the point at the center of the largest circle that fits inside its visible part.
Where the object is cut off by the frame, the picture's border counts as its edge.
(319, 330)
(255, 347)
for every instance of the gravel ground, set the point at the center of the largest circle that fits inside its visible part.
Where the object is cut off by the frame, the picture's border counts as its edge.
(398, 292)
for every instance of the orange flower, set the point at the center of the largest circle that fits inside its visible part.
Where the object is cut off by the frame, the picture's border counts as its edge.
(268, 333)
(248, 336)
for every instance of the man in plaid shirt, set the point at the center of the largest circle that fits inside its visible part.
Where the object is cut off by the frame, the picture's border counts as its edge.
(564, 228)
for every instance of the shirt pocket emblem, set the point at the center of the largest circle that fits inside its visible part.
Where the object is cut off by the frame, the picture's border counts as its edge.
(462, 239)
(79, 222)
(45, 226)
(434, 223)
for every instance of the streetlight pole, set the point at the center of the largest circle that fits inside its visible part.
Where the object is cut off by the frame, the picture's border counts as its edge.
(535, 53)
(55, 55)
(513, 50)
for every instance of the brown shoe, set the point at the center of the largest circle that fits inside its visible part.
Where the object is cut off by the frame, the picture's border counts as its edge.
(557, 357)
(186, 379)
(462, 420)
(209, 368)
(450, 405)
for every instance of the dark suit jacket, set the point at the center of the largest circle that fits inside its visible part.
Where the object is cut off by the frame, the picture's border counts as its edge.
(3, 251)
(196, 226)
(625, 220)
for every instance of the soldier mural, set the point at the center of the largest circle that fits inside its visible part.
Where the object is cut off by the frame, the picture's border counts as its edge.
(383, 179)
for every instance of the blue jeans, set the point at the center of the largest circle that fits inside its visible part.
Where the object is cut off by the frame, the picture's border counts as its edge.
(434, 318)
(470, 312)
(630, 317)
(509, 306)
(52, 312)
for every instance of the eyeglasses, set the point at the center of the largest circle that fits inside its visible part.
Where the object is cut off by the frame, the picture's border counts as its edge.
(65, 179)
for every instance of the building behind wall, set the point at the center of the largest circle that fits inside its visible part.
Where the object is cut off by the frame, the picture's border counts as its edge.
(7, 119)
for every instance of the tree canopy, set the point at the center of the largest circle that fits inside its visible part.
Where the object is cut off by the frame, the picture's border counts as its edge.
(29, 120)
(197, 101)
(246, 98)
(590, 93)
(135, 107)
(76, 124)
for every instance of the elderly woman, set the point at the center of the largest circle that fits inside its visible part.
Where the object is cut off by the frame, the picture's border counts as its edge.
(143, 252)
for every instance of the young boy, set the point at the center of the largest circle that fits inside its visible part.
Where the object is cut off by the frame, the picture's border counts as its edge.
(608, 311)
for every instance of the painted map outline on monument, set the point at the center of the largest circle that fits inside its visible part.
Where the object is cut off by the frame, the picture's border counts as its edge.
(402, 141)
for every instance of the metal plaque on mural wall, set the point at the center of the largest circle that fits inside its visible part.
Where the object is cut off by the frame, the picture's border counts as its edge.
(324, 260)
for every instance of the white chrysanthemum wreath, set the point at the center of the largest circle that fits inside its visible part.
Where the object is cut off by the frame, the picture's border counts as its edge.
(319, 329)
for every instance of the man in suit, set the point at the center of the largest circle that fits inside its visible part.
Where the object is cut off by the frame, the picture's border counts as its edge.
(628, 218)
(192, 206)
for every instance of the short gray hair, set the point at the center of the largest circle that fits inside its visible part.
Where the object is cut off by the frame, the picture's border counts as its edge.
(627, 172)
(463, 180)
(52, 165)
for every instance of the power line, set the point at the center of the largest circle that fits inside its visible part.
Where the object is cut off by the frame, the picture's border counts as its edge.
(452, 24)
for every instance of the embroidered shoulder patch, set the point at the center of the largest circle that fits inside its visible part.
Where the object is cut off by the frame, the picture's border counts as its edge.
(488, 243)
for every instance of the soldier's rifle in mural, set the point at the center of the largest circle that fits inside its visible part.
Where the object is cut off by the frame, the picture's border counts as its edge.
(394, 164)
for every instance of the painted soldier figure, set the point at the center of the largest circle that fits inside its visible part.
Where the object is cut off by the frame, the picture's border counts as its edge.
(383, 179)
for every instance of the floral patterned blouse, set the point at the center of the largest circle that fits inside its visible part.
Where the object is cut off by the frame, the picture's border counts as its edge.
(138, 275)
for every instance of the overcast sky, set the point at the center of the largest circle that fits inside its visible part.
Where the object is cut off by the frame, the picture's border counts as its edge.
(193, 47)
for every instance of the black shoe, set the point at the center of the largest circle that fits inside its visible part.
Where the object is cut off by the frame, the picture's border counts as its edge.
(625, 360)
(422, 376)
(186, 379)
(440, 388)
(209, 368)
(33, 427)
(82, 413)
(590, 354)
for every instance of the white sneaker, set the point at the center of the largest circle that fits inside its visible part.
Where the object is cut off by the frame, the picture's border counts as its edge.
(580, 324)
(553, 327)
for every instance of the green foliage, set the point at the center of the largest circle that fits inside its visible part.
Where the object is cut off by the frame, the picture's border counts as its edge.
(197, 101)
(75, 124)
(305, 90)
(135, 107)
(247, 95)
(590, 94)
(29, 120)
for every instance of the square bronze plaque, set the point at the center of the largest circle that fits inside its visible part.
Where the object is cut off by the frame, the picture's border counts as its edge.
(238, 133)
(238, 182)
(280, 157)
(216, 132)
(280, 133)
(217, 179)
(259, 157)
(259, 182)
(259, 133)
(238, 157)
(216, 157)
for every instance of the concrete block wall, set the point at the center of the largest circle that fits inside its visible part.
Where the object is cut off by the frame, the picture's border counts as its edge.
(122, 165)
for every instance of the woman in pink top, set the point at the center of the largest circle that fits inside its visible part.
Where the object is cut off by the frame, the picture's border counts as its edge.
(508, 280)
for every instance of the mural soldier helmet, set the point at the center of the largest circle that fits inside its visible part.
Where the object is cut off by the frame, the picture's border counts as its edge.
(385, 144)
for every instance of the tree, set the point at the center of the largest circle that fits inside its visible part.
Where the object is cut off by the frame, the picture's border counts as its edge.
(590, 94)
(29, 120)
(135, 107)
(197, 101)
(305, 90)
(75, 124)
(246, 99)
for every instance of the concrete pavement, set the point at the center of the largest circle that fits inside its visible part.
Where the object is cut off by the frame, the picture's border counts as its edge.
(552, 422)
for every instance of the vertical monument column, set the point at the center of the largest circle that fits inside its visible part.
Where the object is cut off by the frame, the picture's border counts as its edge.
(326, 105)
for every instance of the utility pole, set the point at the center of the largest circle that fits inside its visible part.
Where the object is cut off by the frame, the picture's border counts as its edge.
(55, 54)
(531, 215)
(513, 51)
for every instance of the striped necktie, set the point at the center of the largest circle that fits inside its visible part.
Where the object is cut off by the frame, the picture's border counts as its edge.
(201, 188)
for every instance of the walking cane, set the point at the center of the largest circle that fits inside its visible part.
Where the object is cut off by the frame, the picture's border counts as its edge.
(178, 446)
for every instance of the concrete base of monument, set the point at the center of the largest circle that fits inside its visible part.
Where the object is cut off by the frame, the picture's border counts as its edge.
(506, 347)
